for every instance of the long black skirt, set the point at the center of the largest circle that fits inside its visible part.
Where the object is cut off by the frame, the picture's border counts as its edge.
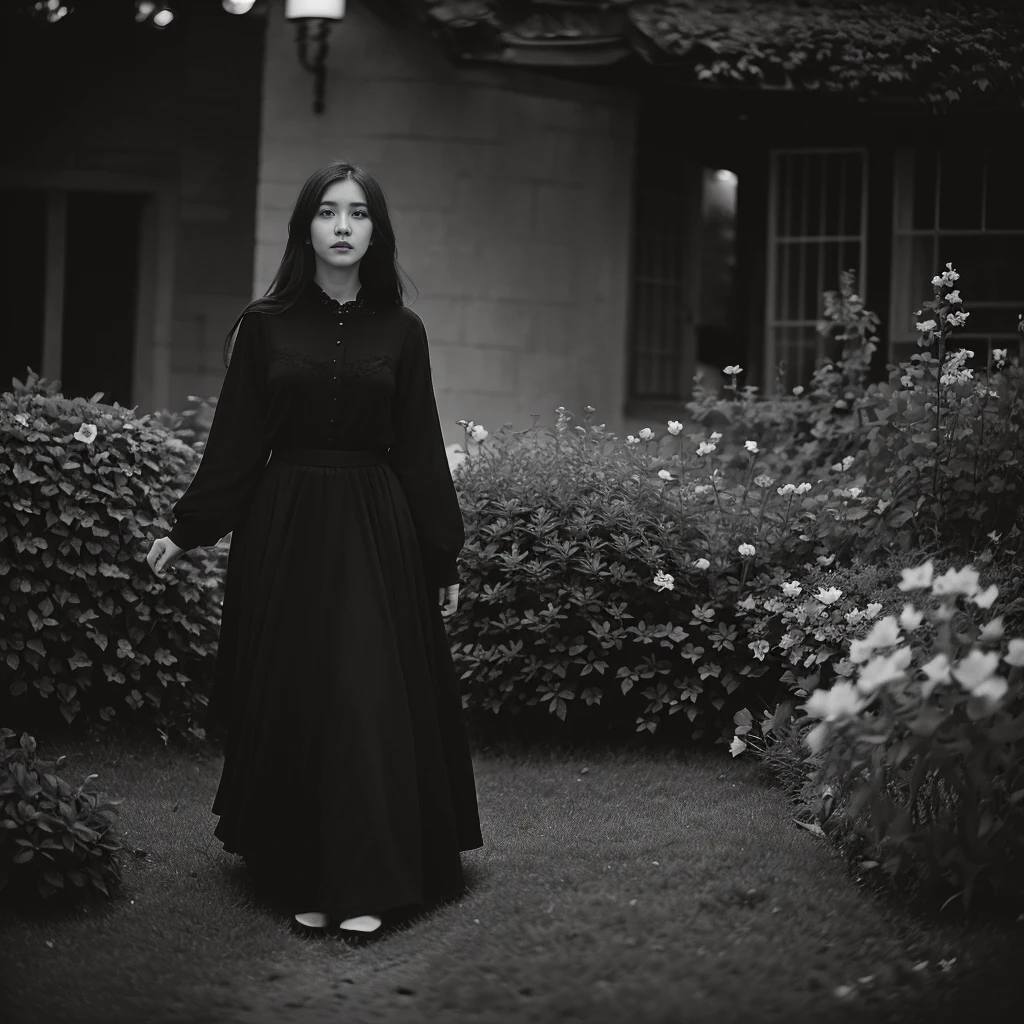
(348, 782)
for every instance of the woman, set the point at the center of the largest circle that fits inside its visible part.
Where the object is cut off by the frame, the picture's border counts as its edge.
(348, 784)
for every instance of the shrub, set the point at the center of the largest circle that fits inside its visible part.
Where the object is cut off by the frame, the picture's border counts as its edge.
(945, 440)
(921, 749)
(87, 627)
(579, 548)
(53, 838)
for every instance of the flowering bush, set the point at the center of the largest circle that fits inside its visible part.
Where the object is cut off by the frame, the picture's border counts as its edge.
(945, 443)
(87, 628)
(577, 555)
(921, 747)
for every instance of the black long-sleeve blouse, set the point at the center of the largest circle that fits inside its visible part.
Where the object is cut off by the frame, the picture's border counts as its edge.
(325, 374)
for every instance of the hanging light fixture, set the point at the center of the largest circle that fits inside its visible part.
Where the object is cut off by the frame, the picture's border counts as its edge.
(313, 20)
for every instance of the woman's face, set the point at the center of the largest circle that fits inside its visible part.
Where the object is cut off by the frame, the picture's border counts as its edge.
(341, 228)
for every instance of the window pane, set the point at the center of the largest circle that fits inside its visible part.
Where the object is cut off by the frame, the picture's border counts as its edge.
(925, 168)
(991, 267)
(1004, 200)
(961, 189)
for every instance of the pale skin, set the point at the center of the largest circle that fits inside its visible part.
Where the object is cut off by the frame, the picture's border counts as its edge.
(343, 216)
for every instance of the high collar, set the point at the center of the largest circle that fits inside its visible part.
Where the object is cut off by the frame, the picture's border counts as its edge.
(359, 304)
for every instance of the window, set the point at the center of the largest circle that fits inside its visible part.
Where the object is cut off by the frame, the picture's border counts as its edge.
(817, 228)
(965, 207)
(71, 273)
(661, 328)
(682, 305)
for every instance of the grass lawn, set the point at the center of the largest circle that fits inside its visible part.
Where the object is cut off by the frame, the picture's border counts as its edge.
(641, 887)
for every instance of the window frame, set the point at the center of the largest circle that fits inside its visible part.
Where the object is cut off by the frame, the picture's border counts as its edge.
(773, 241)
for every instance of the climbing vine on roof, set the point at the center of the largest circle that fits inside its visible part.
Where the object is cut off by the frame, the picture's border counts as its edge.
(939, 51)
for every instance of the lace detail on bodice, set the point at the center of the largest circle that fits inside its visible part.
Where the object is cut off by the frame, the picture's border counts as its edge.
(323, 368)
(356, 305)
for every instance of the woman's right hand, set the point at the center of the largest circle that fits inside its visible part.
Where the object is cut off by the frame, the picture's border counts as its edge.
(163, 554)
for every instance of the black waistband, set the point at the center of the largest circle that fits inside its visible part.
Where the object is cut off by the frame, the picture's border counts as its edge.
(328, 456)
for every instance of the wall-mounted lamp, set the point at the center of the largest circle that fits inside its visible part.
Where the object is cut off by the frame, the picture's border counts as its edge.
(313, 28)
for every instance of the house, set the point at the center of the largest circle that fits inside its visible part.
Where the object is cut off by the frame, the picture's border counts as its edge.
(593, 198)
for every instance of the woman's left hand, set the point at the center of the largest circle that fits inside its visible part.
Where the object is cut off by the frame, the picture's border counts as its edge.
(448, 599)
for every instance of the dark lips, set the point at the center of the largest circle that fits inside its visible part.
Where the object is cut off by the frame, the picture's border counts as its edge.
(341, 245)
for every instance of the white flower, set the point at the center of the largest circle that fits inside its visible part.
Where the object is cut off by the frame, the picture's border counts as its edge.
(1015, 654)
(856, 492)
(704, 448)
(630, 439)
(829, 596)
(880, 671)
(999, 356)
(825, 562)
(837, 467)
(786, 489)
(910, 618)
(916, 579)
(792, 589)
(848, 462)
(991, 691)
(953, 297)
(22, 419)
(854, 616)
(937, 671)
(872, 609)
(803, 488)
(977, 667)
(984, 598)
(817, 737)
(664, 474)
(957, 319)
(927, 325)
(715, 435)
(906, 380)
(747, 550)
(702, 488)
(87, 433)
(674, 426)
(646, 434)
(737, 746)
(840, 701)
(751, 447)
(664, 581)
(733, 370)
(748, 604)
(760, 648)
(478, 433)
(992, 630)
(702, 564)
(885, 632)
(963, 581)
(798, 390)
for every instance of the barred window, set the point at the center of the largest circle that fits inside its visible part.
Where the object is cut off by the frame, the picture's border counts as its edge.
(961, 206)
(817, 228)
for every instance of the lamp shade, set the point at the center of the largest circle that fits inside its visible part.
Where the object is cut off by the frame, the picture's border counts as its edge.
(329, 10)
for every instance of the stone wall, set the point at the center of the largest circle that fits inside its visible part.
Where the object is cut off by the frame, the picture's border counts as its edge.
(511, 198)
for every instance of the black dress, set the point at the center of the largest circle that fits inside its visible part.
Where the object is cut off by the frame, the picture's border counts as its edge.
(348, 783)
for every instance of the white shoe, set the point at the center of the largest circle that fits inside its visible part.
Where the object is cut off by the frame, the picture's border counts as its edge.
(365, 923)
(312, 920)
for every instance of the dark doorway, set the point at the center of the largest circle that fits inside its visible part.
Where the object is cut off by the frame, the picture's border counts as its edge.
(22, 282)
(101, 274)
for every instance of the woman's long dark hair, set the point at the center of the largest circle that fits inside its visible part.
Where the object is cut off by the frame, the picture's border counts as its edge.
(379, 274)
